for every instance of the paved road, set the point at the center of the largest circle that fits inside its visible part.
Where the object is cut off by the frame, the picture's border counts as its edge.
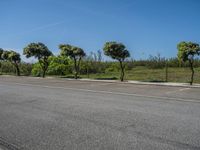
(56, 114)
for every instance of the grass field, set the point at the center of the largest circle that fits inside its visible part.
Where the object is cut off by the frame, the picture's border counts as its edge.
(152, 75)
(182, 75)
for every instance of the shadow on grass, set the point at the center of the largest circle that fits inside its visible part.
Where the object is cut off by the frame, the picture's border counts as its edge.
(70, 77)
(156, 81)
(112, 78)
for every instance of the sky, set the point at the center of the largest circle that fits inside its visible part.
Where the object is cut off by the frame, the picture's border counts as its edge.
(146, 27)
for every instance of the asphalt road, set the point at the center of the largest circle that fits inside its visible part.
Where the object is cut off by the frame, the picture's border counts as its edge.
(56, 114)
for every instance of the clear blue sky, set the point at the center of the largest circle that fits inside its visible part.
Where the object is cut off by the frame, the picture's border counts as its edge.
(144, 26)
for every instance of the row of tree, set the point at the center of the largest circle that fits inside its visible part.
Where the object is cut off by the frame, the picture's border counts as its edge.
(41, 52)
(187, 52)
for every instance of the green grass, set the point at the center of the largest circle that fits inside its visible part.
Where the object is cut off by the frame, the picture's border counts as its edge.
(152, 75)
(145, 74)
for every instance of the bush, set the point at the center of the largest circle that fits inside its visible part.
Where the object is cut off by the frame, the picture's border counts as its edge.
(59, 66)
(7, 68)
(26, 68)
(36, 71)
(114, 67)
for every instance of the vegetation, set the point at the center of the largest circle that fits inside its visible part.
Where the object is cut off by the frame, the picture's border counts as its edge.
(73, 62)
(119, 52)
(14, 58)
(140, 73)
(75, 53)
(1, 52)
(41, 52)
(187, 52)
(59, 66)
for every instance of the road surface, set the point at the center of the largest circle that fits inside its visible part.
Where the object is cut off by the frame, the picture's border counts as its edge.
(59, 114)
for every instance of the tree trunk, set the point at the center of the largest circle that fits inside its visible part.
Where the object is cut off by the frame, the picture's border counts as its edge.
(78, 66)
(166, 71)
(122, 71)
(88, 70)
(44, 66)
(17, 70)
(44, 73)
(75, 68)
(1, 67)
(192, 69)
(76, 75)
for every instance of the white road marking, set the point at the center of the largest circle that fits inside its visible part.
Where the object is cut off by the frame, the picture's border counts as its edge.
(105, 92)
(176, 91)
(184, 89)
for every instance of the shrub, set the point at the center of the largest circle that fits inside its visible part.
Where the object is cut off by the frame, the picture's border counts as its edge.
(36, 71)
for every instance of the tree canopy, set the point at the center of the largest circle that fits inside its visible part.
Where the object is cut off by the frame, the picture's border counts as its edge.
(14, 57)
(116, 51)
(71, 51)
(1, 52)
(37, 50)
(187, 50)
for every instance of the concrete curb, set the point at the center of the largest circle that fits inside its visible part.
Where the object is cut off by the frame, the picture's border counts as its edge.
(171, 84)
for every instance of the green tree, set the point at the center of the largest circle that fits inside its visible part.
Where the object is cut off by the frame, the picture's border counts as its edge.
(5, 54)
(40, 52)
(186, 52)
(1, 52)
(36, 70)
(59, 65)
(14, 58)
(75, 53)
(119, 52)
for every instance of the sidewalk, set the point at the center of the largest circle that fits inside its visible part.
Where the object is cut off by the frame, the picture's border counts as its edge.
(172, 84)
(167, 84)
